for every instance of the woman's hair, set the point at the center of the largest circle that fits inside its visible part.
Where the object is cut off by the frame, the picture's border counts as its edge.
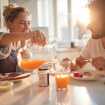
(11, 12)
(98, 5)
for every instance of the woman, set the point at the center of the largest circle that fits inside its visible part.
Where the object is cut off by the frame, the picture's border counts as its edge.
(17, 21)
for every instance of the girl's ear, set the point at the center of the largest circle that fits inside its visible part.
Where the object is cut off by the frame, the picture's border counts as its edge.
(9, 24)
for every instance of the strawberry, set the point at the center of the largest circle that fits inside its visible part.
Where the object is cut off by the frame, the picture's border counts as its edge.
(3, 74)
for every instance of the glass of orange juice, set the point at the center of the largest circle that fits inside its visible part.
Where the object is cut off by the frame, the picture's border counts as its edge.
(62, 78)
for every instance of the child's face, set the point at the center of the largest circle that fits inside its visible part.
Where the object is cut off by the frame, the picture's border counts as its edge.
(95, 25)
(21, 24)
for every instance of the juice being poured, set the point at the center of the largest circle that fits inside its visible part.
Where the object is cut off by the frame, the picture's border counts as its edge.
(31, 64)
(62, 81)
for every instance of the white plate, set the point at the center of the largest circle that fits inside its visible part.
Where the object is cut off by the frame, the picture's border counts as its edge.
(94, 72)
(15, 80)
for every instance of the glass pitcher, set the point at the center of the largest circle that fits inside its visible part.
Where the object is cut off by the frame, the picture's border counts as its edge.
(34, 56)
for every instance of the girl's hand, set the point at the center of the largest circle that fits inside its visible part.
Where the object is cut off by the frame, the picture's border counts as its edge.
(38, 37)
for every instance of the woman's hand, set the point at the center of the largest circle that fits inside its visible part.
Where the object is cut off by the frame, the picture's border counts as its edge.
(98, 63)
(38, 37)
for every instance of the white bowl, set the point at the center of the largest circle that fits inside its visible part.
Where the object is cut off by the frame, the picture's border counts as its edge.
(5, 86)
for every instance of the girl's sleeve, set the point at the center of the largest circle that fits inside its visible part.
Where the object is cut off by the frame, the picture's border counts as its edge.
(4, 50)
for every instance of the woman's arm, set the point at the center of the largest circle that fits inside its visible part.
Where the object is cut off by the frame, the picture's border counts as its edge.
(14, 37)
(36, 37)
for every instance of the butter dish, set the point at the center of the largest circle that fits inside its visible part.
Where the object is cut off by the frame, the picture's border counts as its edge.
(5, 86)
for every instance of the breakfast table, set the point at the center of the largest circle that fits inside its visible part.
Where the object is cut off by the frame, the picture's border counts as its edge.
(28, 92)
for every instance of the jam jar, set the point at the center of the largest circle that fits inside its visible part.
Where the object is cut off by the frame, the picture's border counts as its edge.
(43, 74)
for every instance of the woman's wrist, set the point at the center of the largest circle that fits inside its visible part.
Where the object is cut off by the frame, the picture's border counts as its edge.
(26, 36)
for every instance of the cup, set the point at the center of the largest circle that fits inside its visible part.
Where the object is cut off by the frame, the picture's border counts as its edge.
(62, 78)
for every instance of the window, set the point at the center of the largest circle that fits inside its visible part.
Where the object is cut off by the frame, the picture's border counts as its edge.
(42, 7)
(71, 21)
(62, 20)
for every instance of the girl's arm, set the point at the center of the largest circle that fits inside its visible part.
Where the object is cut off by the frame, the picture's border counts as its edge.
(14, 37)
(37, 37)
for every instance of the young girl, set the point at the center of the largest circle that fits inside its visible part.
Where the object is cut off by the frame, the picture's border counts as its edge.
(17, 21)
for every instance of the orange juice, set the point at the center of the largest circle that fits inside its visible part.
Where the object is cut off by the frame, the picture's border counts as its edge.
(62, 81)
(30, 64)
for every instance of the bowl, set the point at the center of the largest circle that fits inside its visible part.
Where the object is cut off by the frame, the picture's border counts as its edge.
(6, 86)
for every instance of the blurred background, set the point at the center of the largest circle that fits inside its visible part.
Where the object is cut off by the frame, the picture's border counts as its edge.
(65, 21)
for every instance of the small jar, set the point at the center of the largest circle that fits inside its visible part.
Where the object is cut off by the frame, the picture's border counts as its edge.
(43, 74)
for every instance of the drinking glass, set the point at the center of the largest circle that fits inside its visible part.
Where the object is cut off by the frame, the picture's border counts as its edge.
(62, 77)
(34, 56)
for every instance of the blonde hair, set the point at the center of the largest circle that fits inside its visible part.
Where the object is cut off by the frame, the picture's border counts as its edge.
(11, 12)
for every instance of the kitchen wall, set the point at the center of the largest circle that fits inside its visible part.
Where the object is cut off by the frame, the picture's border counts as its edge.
(2, 3)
